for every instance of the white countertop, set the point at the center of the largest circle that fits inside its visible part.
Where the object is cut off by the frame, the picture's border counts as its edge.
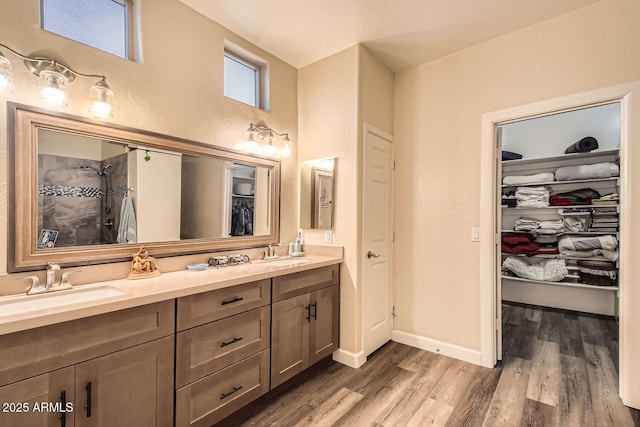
(133, 293)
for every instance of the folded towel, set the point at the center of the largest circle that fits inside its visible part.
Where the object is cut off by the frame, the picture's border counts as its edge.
(585, 145)
(539, 178)
(587, 243)
(594, 171)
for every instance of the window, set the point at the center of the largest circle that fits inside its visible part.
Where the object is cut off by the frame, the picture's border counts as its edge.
(104, 24)
(245, 79)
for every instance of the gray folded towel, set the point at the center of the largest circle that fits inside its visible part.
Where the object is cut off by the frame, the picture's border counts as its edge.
(595, 171)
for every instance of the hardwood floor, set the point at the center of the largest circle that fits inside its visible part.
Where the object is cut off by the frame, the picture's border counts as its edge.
(559, 369)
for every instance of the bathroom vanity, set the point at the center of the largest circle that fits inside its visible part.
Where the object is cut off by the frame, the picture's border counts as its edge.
(214, 340)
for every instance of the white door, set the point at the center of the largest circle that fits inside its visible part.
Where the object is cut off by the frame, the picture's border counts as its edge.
(377, 238)
(498, 243)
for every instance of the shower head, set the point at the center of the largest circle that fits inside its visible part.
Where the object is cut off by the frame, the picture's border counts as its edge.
(103, 171)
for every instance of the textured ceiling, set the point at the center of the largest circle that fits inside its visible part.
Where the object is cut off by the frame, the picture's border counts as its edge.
(402, 33)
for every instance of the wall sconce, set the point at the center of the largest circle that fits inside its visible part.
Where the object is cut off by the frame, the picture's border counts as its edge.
(267, 135)
(54, 78)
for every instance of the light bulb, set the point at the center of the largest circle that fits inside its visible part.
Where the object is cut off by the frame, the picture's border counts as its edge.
(250, 145)
(269, 150)
(101, 97)
(286, 150)
(6, 79)
(54, 88)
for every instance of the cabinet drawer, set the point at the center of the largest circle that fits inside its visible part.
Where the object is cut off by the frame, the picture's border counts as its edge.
(36, 351)
(206, 307)
(295, 284)
(211, 347)
(218, 395)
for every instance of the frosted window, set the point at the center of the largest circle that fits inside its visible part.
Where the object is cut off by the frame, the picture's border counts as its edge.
(241, 80)
(103, 24)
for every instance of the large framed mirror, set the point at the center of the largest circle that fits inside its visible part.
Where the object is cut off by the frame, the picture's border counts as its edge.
(84, 192)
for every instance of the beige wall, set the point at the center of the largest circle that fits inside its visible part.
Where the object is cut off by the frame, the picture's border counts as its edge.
(176, 89)
(336, 96)
(437, 140)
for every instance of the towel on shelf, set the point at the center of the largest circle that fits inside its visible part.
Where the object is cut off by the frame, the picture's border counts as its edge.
(532, 197)
(594, 171)
(128, 229)
(539, 178)
(549, 270)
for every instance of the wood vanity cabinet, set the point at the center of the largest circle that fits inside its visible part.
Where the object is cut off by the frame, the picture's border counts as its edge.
(222, 359)
(113, 369)
(305, 321)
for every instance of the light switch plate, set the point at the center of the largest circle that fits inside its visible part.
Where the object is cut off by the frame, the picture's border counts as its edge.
(327, 236)
(475, 234)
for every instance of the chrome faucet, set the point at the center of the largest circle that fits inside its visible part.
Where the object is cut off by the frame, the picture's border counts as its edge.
(270, 253)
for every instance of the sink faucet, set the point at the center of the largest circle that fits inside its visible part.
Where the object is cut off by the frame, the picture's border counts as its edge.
(51, 275)
(271, 251)
(50, 284)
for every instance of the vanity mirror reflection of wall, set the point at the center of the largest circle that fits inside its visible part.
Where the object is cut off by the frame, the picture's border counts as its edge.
(317, 194)
(101, 189)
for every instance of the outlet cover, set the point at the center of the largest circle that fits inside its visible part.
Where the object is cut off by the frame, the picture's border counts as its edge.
(475, 234)
(328, 236)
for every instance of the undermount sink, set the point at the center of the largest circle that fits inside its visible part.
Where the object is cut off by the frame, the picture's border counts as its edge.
(288, 262)
(12, 305)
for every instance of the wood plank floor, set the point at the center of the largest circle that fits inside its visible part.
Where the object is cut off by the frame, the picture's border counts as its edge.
(559, 369)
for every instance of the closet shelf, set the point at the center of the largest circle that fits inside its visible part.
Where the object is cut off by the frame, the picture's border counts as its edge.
(571, 233)
(568, 258)
(555, 183)
(568, 284)
(519, 208)
(595, 153)
(244, 196)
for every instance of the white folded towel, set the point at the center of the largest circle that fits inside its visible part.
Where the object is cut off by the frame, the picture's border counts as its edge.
(539, 178)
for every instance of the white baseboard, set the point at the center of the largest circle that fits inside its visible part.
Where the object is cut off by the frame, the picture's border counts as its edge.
(354, 360)
(434, 346)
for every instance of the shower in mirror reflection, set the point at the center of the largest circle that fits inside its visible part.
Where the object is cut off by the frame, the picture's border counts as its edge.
(317, 205)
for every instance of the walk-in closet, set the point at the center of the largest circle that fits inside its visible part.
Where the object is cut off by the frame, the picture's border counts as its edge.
(558, 221)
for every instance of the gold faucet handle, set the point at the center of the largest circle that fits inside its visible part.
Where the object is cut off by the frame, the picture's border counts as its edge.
(35, 280)
(36, 287)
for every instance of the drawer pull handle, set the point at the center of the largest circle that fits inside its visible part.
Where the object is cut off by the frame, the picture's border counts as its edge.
(229, 393)
(315, 310)
(234, 340)
(308, 316)
(88, 388)
(231, 301)
(63, 415)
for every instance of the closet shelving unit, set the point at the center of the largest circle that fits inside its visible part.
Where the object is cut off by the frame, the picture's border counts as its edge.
(243, 175)
(568, 293)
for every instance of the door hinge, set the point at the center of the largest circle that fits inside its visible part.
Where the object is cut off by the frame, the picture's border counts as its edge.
(393, 165)
(393, 311)
(393, 236)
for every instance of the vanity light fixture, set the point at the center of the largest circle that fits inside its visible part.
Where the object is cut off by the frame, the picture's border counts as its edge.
(54, 78)
(267, 135)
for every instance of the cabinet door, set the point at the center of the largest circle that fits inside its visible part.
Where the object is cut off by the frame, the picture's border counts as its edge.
(324, 333)
(45, 400)
(132, 387)
(290, 321)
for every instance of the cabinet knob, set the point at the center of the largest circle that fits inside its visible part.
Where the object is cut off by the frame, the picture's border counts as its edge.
(372, 255)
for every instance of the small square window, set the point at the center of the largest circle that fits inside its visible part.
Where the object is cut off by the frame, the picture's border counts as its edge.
(245, 79)
(104, 24)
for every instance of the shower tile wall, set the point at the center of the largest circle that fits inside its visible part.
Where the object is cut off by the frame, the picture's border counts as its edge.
(74, 198)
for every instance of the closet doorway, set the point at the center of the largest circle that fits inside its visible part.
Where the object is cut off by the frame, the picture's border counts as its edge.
(526, 284)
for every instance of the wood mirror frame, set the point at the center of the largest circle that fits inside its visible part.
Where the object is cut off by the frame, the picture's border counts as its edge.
(24, 123)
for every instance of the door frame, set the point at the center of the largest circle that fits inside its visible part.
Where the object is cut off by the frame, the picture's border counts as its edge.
(629, 97)
(368, 128)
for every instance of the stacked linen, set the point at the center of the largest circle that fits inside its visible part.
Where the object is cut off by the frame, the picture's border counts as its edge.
(552, 227)
(519, 243)
(532, 197)
(526, 224)
(589, 246)
(549, 270)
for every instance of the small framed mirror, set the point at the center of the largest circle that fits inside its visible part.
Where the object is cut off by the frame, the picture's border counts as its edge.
(317, 183)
